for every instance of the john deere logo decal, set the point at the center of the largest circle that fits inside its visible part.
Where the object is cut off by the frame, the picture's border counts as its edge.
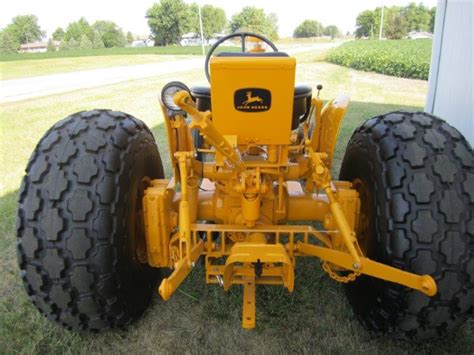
(252, 100)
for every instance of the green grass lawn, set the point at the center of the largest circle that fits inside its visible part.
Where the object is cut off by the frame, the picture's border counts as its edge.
(17, 66)
(166, 50)
(199, 318)
(28, 68)
(169, 50)
(23, 65)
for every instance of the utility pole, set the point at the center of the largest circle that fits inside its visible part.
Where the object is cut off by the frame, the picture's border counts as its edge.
(200, 27)
(381, 22)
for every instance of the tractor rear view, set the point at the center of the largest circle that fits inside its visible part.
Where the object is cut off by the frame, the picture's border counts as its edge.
(251, 157)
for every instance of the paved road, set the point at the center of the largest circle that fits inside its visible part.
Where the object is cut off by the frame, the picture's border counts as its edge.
(21, 89)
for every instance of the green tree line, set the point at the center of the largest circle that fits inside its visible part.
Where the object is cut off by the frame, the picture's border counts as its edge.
(169, 20)
(22, 29)
(397, 22)
(81, 34)
(313, 28)
(78, 34)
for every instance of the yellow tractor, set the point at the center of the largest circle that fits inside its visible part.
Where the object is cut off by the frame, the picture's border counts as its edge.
(101, 229)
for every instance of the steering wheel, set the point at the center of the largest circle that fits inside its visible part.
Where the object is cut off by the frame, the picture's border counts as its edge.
(242, 36)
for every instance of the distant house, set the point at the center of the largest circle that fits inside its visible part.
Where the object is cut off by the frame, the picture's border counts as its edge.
(191, 39)
(143, 41)
(37, 47)
(419, 35)
(194, 39)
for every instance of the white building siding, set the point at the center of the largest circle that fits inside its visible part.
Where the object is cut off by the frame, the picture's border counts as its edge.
(450, 94)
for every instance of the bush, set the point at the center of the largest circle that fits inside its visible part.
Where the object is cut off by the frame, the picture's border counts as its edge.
(51, 47)
(8, 42)
(402, 58)
(308, 28)
(73, 44)
(97, 42)
(63, 47)
(85, 43)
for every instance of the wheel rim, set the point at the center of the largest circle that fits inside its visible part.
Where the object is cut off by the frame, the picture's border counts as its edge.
(364, 228)
(138, 249)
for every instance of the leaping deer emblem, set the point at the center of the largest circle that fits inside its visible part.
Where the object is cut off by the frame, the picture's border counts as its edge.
(251, 99)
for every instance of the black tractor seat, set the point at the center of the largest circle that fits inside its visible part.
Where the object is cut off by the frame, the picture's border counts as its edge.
(301, 101)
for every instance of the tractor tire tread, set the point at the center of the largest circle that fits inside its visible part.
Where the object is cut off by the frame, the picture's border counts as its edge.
(70, 224)
(424, 221)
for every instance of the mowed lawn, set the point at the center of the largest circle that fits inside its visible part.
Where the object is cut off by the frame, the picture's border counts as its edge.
(29, 68)
(18, 66)
(199, 318)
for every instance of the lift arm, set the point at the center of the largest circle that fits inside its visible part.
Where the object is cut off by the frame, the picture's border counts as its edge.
(423, 283)
(202, 122)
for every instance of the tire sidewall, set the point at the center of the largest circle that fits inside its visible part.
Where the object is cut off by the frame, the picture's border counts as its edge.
(139, 279)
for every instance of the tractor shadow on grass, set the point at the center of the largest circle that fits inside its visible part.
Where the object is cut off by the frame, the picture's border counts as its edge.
(200, 318)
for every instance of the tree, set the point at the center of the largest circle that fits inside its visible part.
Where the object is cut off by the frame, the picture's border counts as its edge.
(308, 28)
(25, 29)
(97, 41)
(129, 37)
(8, 42)
(110, 33)
(395, 26)
(367, 23)
(272, 19)
(255, 20)
(85, 43)
(58, 34)
(168, 21)
(213, 20)
(76, 29)
(432, 19)
(51, 47)
(332, 31)
(73, 44)
(397, 22)
(64, 46)
(417, 17)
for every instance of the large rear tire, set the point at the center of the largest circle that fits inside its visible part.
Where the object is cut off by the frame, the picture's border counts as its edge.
(415, 176)
(80, 236)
